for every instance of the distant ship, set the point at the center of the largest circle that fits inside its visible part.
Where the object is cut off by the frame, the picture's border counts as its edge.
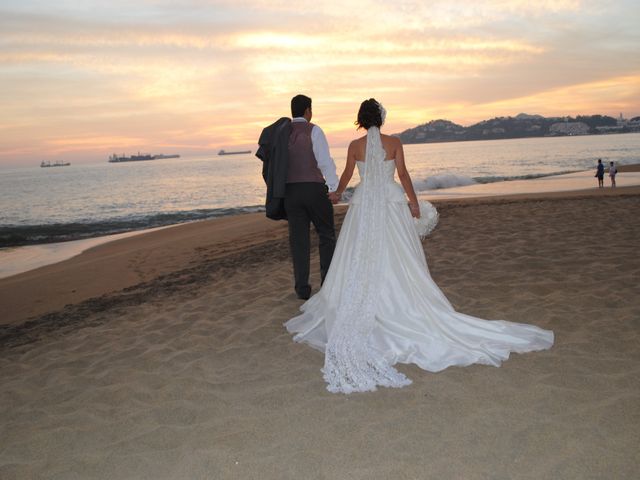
(138, 158)
(224, 152)
(44, 164)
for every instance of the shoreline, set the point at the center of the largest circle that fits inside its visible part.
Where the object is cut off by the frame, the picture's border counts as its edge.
(120, 264)
(136, 262)
(16, 260)
(21, 259)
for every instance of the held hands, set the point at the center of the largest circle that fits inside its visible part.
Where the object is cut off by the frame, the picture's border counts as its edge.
(334, 197)
(415, 209)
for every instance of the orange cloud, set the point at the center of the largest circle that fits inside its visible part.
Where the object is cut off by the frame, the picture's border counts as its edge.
(606, 96)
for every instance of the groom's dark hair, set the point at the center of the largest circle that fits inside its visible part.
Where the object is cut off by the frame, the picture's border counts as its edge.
(299, 104)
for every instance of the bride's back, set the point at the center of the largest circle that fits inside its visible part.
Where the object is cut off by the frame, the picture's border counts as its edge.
(389, 143)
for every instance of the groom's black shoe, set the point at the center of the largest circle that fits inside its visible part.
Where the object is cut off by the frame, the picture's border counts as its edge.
(304, 292)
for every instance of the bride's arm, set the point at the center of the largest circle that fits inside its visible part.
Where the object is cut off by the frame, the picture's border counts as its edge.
(345, 178)
(405, 180)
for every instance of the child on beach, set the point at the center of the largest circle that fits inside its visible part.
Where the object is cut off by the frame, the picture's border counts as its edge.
(612, 174)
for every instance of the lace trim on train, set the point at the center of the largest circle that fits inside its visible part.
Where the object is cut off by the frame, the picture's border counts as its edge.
(350, 363)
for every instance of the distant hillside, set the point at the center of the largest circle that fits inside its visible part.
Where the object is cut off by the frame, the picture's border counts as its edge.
(520, 126)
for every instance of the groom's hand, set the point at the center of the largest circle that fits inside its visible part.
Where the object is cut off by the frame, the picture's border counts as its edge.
(334, 197)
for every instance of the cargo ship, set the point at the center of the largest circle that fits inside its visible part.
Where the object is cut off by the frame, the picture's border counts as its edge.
(224, 152)
(44, 164)
(139, 157)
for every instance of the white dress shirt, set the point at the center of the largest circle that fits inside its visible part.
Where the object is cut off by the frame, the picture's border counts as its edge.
(323, 157)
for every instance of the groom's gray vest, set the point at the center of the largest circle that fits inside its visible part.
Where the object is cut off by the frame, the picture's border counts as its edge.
(302, 166)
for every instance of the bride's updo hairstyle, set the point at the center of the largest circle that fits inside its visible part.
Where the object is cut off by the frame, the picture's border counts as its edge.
(369, 115)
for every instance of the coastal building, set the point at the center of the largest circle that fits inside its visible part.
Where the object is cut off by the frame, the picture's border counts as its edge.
(623, 125)
(569, 128)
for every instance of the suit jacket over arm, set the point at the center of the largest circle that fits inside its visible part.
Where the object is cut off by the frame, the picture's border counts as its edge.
(274, 152)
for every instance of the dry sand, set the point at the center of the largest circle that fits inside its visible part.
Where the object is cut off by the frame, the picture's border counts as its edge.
(171, 362)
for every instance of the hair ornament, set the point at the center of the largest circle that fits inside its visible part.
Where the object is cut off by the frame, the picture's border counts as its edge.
(383, 112)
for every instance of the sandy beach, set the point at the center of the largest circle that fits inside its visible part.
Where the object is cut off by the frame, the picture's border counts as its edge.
(163, 356)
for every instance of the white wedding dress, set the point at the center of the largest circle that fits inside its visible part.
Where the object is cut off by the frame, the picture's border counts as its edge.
(379, 306)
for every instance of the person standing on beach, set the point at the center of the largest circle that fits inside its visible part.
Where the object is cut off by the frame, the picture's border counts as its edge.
(612, 174)
(600, 173)
(311, 176)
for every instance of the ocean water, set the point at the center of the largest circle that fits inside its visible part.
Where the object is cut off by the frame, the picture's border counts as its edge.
(42, 205)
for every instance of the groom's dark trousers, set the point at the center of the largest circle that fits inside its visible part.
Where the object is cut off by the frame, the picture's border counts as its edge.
(307, 203)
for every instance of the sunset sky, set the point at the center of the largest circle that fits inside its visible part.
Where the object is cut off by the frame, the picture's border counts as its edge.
(82, 79)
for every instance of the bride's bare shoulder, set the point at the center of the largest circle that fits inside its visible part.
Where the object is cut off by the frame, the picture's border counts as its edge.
(358, 143)
(390, 142)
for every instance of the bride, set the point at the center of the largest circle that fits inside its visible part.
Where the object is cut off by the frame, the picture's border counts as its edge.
(378, 305)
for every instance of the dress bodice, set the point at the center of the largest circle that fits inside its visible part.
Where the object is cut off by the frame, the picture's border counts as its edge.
(393, 191)
(389, 169)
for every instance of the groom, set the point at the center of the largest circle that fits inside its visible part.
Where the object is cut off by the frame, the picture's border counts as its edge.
(306, 198)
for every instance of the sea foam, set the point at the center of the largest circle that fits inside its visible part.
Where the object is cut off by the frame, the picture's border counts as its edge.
(445, 180)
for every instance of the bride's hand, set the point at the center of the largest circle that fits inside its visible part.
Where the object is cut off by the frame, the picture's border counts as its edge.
(415, 210)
